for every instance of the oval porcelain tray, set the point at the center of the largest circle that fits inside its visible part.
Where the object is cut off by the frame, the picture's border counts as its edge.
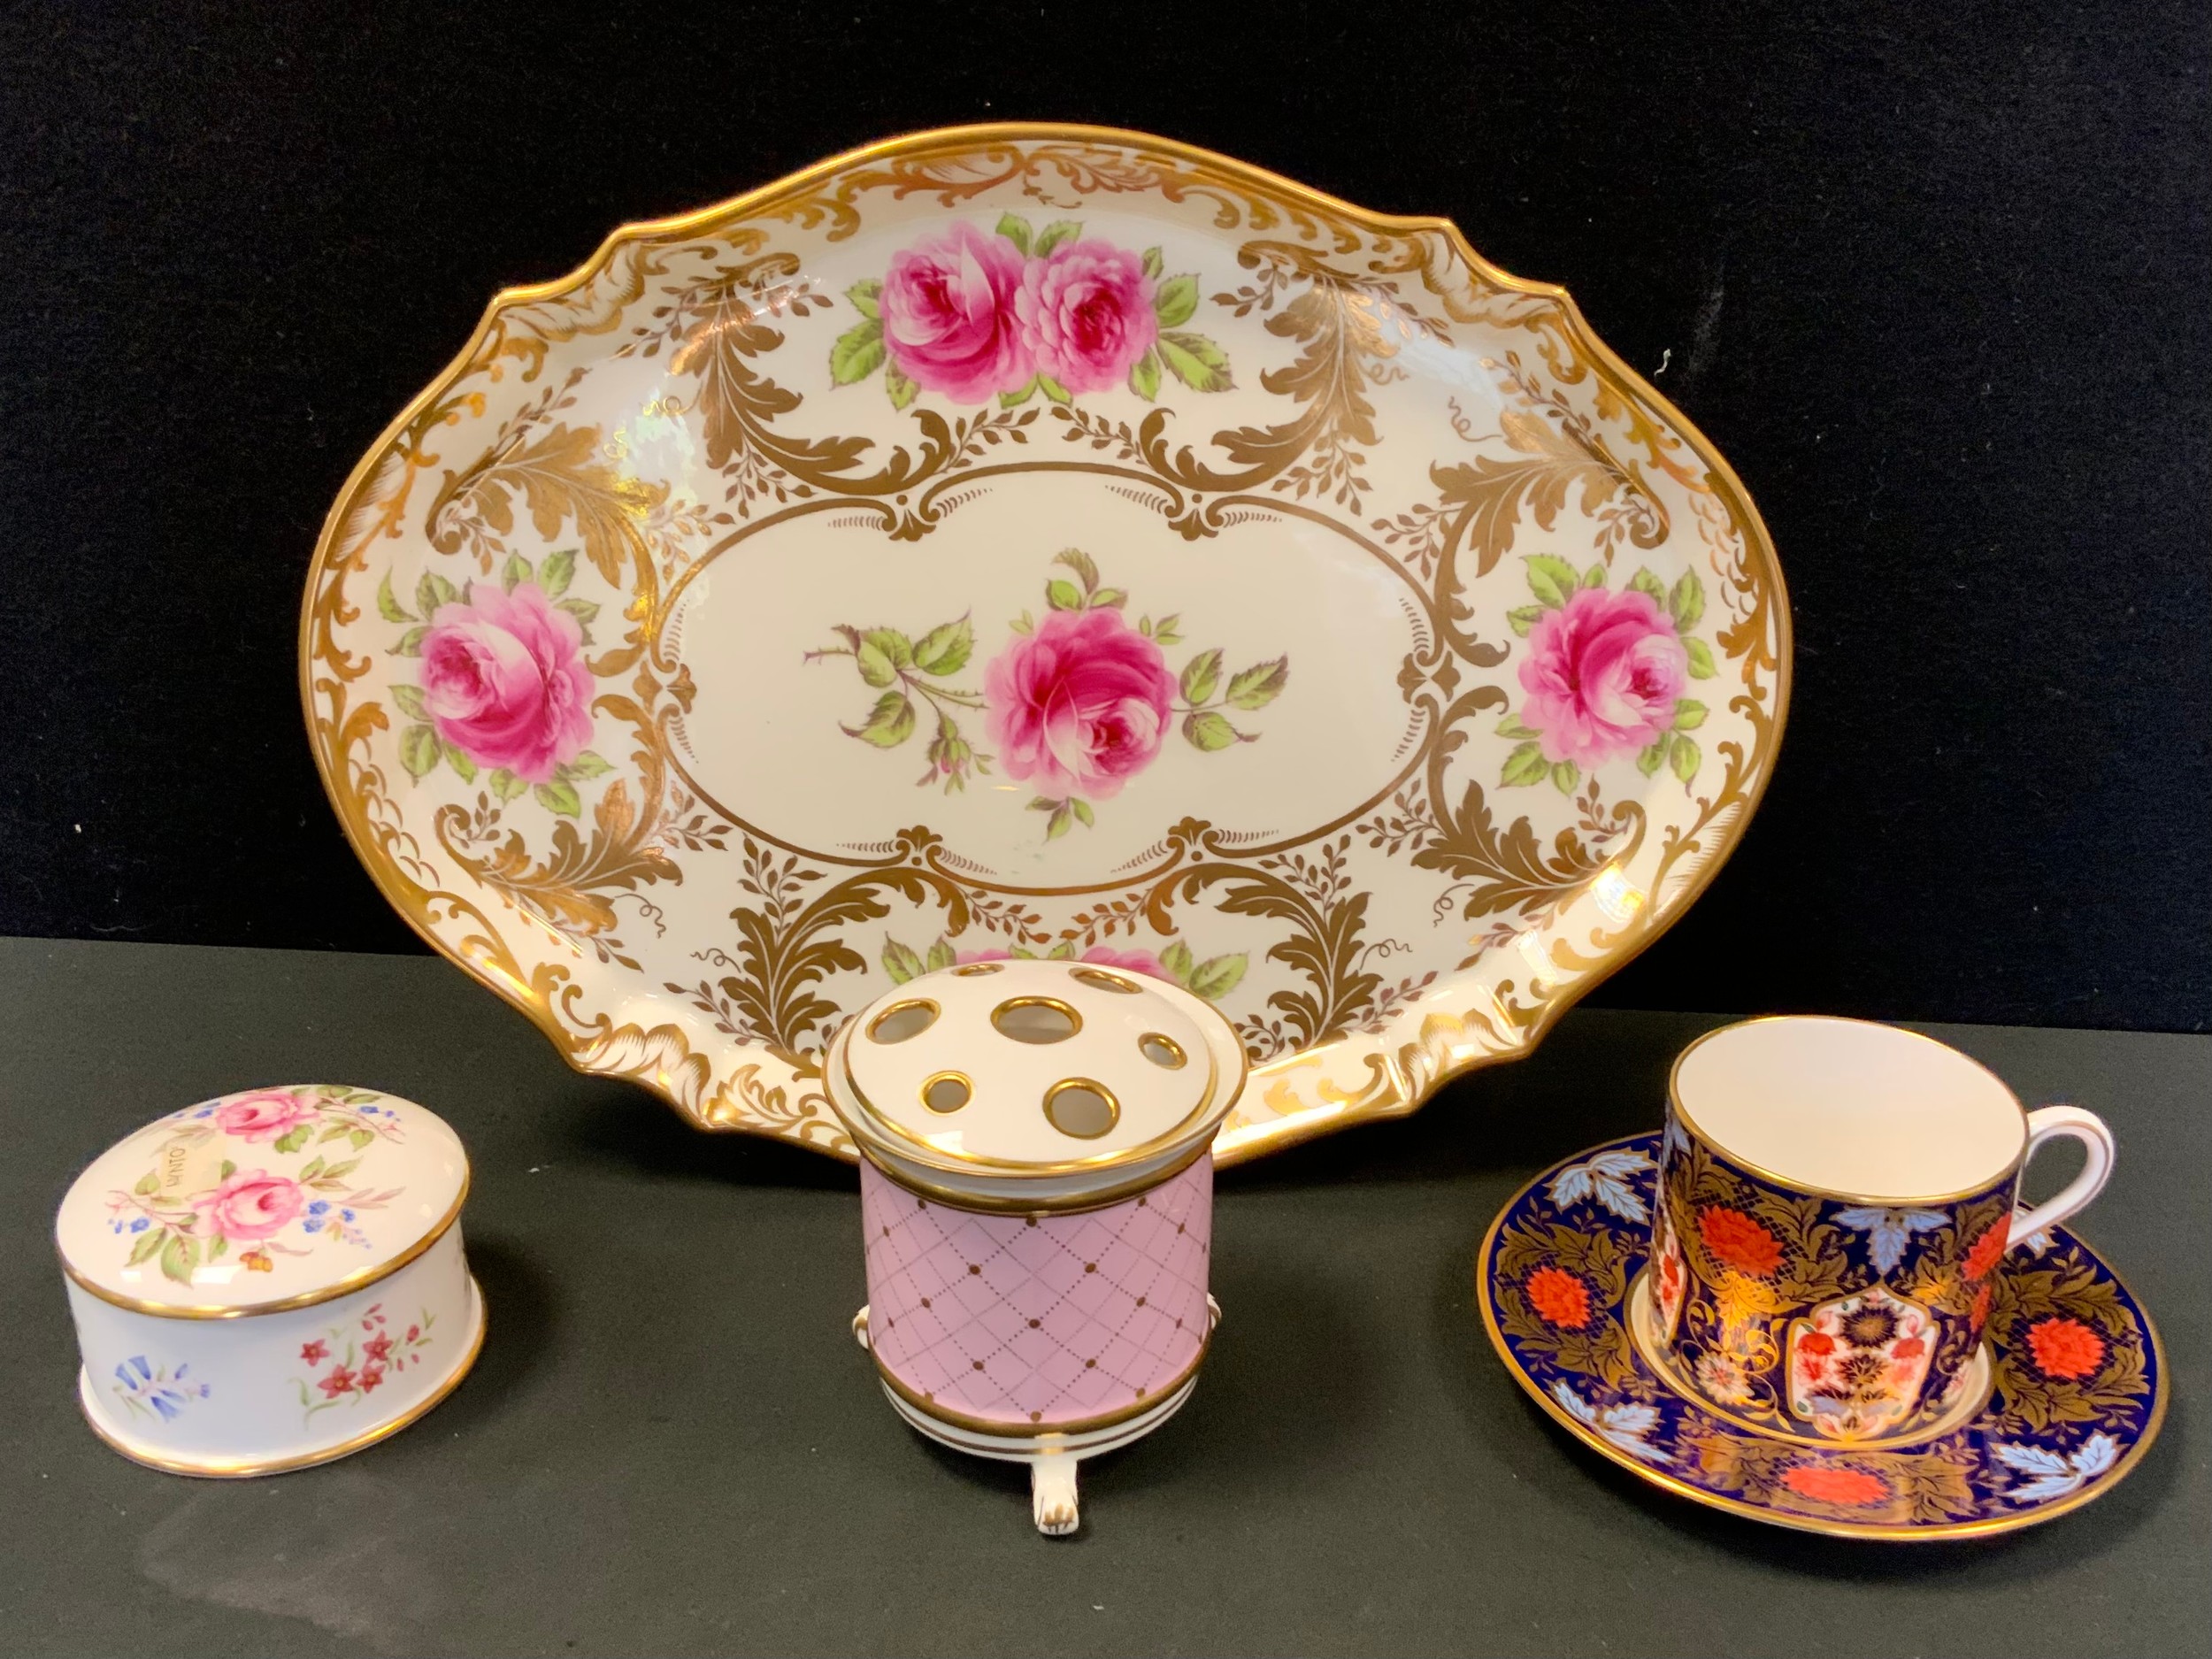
(1051, 541)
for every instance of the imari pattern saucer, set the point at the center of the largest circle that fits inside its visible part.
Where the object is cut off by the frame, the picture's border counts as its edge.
(2078, 1380)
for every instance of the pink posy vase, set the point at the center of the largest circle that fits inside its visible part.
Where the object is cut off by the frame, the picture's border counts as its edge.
(1039, 1322)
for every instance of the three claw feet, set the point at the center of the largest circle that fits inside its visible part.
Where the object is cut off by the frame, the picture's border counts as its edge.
(1052, 1494)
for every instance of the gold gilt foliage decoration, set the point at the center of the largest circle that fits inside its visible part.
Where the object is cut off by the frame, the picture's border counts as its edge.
(1346, 294)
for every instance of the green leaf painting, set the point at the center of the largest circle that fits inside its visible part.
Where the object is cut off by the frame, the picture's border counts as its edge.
(857, 354)
(1176, 301)
(1196, 360)
(1551, 579)
(1201, 675)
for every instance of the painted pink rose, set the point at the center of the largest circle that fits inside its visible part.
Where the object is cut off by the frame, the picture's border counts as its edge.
(262, 1115)
(1602, 674)
(251, 1204)
(1127, 961)
(504, 682)
(1081, 706)
(948, 309)
(1086, 312)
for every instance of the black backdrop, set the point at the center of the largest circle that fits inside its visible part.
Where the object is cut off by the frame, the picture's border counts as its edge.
(1933, 277)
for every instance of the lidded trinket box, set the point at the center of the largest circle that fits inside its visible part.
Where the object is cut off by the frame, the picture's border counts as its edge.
(1037, 1197)
(271, 1280)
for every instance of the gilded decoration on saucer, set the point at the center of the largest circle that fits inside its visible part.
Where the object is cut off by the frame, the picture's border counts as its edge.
(2076, 1394)
(1225, 565)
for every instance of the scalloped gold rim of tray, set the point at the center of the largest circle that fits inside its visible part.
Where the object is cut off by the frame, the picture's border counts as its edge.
(1402, 1100)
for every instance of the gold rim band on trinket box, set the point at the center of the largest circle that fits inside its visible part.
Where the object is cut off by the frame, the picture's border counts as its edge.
(306, 1299)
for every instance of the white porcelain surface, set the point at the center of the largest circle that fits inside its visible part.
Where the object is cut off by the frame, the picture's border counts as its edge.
(283, 1390)
(1854, 1106)
(269, 1279)
(1038, 541)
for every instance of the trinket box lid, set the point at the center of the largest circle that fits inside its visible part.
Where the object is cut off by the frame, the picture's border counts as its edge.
(1057, 1081)
(257, 1202)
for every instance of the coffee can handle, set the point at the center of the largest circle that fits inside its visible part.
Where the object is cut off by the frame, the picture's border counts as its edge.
(2053, 1123)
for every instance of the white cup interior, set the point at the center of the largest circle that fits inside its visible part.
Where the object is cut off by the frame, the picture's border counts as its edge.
(1851, 1107)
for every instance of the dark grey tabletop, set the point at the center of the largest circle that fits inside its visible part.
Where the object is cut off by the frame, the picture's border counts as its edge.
(672, 1445)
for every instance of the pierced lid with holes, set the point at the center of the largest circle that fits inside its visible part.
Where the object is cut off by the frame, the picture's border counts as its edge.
(256, 1201)
(1028, 1084)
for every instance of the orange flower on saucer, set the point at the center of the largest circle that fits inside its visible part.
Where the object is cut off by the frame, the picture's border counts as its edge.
(1835, 1486)
(1737, 1240)
(258, 1262)
(1988, 1248)
(2065, 1347)
(1560, 1297)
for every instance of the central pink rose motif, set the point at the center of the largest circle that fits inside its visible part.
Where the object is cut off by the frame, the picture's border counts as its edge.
(263, 1116)
(948, 322)
(251, 1204)
(1086, 312)
(503, 680)
(1603, 674)
(1079, 707)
